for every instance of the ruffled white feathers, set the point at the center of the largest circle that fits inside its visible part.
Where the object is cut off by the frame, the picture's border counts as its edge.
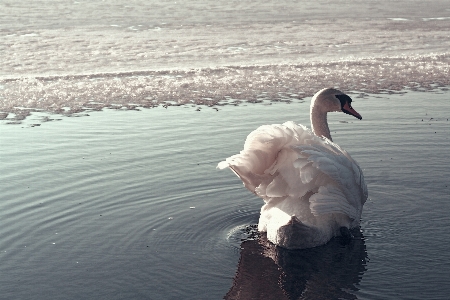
(300, 175)
(311, 187)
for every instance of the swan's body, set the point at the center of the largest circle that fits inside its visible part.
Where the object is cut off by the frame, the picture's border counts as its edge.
(312, 188)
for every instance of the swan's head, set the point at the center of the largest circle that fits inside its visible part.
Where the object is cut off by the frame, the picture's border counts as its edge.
(330, 99)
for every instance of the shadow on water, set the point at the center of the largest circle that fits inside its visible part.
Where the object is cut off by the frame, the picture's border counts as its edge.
(332, 271)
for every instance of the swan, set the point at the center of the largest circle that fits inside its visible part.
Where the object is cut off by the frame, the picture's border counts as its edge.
(312, 189)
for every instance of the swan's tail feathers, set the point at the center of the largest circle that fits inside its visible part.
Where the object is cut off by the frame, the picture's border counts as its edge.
(223, 165)
(330, 199)
(266, 151)
(248, 178)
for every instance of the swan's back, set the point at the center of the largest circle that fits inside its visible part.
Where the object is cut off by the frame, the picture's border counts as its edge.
(311, 187)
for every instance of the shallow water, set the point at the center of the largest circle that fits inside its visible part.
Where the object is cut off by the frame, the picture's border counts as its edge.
(128, 204)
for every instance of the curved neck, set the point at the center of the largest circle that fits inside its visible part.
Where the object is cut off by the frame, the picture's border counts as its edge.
(319, 124)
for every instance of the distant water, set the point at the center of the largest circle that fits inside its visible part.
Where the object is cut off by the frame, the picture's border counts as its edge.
(101, 201)
(65, 56)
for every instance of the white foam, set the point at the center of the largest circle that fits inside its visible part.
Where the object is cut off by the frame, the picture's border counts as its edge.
(398, 19)
(436, 19)
(218, 86)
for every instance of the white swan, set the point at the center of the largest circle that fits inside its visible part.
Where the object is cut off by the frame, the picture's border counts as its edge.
(313, 190)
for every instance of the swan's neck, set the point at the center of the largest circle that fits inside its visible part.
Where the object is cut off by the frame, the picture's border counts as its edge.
(319, 124)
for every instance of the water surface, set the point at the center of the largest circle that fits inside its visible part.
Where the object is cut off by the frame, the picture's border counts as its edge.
(128, 204)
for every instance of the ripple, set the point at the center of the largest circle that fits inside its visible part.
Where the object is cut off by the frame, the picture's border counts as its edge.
(106, 201)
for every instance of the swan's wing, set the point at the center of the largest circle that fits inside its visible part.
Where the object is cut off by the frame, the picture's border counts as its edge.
(341, 185)
(288, 161)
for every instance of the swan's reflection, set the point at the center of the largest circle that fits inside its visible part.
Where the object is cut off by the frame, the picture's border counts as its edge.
(331, 271)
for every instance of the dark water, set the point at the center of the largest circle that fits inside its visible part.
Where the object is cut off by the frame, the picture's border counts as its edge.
(129, 205)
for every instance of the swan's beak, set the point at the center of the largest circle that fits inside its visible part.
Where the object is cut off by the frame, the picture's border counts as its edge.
(348, 109)
(346, 105)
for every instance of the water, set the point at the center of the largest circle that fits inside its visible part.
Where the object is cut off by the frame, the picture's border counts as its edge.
(124, 204)
(101, 201)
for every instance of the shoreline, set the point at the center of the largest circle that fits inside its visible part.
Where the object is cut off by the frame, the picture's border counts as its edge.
(32, 117)
(69, 95)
